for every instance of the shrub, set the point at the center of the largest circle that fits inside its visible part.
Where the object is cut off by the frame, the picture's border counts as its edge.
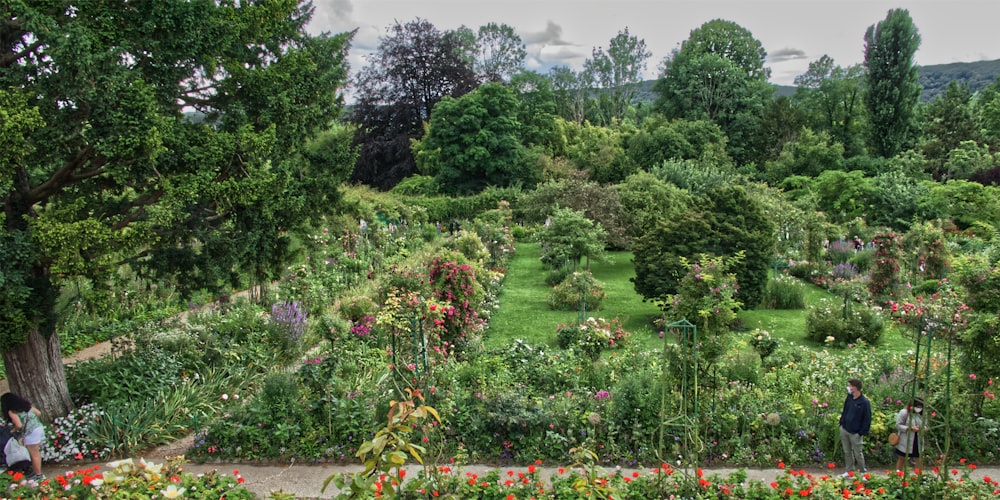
(592, 336)
(558, 275)
(863, 260)
(763, 343)
(806, 270)
(566, 296)
(830, 323)
(356, 307)
(784, 292)
(840, 251)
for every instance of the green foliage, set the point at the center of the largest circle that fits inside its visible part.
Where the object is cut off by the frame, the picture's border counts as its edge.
(949, 122)
(891, 82)
(578, 289)
(830, 98)
(646, 200)
(836, 324)
(707, 297)
(570, 237)
(597, 151)
(784, 292)
(812, 154)
(597, 203)
(557, 275)
(842, 196)
(722, 223)
(184, 197)
(963, 202)
(618, 72)
(695, 177)
(894, 199)
(397, 93)
(659, 140)
(474, 141)
(718, 74)
(387, 452)
(107, 380)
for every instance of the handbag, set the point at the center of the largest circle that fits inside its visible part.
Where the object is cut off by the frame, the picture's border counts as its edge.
(15, 452)
(893, 439)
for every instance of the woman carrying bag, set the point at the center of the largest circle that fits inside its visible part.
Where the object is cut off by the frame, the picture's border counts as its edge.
(909, 422)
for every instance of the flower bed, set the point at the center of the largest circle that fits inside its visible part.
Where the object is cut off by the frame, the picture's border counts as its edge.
(128, 479)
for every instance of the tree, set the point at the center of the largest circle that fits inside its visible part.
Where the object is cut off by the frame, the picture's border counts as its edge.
(537, 108)
(474, 141)
(569, 237)
(414, 66)
(892, 89)
(948, 122)
(830, 98)
(986, 106)
(597, 202)
(111, 169)
(659, 140)
(646, 200)
(500, 53)
(810, 155)
(618, 72)
(571, 90)
(718, 74)
(722, 223)
(597, 151)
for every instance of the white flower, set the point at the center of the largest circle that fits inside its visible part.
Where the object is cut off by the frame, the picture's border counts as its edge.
(172, 492)
(225, 397)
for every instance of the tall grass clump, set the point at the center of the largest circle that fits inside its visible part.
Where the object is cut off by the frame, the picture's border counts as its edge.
(784, 292)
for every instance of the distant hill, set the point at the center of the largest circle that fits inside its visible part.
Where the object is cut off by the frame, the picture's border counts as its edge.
(934, 78)
(977, 75)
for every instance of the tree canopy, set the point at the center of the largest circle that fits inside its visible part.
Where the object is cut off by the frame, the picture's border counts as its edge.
(163, 135)
(718, 74)
(414, 67)
(892, 87)
(474, 142)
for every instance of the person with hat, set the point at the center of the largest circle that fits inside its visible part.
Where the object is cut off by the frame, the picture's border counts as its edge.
(909, 421)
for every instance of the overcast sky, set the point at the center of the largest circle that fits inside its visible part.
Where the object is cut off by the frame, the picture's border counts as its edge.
(793, 32)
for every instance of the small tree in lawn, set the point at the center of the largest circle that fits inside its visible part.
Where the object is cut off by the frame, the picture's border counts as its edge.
(570, 237)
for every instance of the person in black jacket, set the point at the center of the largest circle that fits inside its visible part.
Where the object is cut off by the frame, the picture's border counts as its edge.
(855, 421)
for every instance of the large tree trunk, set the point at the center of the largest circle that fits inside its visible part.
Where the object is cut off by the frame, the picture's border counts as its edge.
(35, 371)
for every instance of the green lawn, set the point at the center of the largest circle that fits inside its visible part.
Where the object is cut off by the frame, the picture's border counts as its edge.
(790, 325)
(525, 314)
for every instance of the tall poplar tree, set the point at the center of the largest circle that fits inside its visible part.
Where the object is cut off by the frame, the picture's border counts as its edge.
(892, 89)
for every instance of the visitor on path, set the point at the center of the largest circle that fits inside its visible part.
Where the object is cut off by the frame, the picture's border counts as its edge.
(855, 421)
(28, 428)
(909, 421)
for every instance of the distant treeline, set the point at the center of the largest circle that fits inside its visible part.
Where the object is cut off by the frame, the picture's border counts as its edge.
(934, 78)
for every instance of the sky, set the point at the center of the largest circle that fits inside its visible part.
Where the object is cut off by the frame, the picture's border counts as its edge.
(793, 32)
